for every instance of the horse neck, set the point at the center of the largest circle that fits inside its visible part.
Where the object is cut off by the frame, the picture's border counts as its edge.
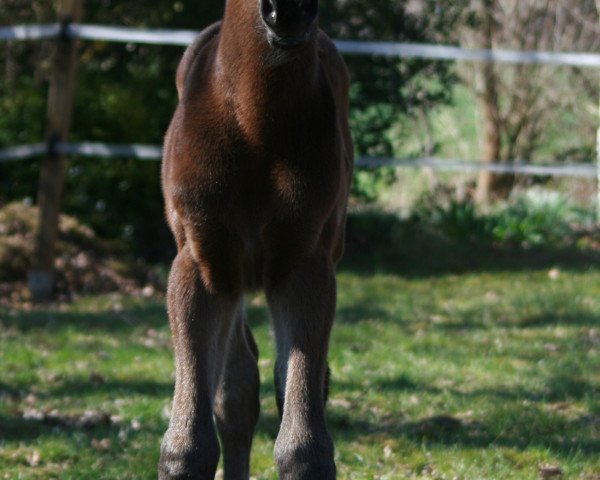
(263, 84)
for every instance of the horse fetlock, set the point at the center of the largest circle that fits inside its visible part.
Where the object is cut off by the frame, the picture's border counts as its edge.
(311, 460)
(190, 461)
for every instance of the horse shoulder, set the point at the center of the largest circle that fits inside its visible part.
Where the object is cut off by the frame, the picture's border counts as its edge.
(191, 54)
(334, 66)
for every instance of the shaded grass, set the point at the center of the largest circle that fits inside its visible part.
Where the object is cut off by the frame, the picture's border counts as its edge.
(384, 243)
(470, 373)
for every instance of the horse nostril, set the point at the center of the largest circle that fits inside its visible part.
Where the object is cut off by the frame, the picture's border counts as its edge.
(269, 11)
(311, 8)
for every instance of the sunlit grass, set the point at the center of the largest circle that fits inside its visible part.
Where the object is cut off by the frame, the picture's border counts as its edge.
(470, 376)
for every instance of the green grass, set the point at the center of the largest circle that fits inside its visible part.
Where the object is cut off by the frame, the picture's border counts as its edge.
(462, 374)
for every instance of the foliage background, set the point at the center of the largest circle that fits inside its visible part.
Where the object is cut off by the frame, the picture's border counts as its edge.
(126, 94)
(399, 107)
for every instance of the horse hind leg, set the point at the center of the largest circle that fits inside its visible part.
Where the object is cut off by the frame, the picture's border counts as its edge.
(237, 402)
(201, 324)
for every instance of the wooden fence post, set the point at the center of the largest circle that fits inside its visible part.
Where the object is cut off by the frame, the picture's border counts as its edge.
(53, 170)
(598, 166)
(598, 143)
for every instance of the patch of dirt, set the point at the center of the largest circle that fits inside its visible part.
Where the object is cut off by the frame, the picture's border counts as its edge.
(84, 263)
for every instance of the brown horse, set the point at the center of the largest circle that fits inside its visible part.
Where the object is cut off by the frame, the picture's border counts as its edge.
(256, 171)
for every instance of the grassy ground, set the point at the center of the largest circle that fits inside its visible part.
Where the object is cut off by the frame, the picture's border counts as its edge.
(464, 373)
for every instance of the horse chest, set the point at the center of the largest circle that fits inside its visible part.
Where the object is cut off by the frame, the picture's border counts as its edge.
(260, 191)
(235, 181)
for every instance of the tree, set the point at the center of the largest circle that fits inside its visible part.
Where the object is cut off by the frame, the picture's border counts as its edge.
(125, 93)
(386, 90)
(518, 103)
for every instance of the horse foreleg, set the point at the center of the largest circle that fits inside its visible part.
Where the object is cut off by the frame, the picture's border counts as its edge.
(201, 326)
(303, 308)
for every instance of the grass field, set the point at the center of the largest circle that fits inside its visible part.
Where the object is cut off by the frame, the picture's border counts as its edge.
(465, 374)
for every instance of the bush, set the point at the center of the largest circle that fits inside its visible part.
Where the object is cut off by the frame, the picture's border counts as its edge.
(369, 184)
(368, 134)
(456, 219)
(538, 218)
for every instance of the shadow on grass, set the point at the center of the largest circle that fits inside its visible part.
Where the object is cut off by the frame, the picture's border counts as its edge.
(472, 320)
(464, 320)
(363, 311)
(529, 427)
(523, 418)
(561, 386)
(581, 318)
(84, 442)
(511, 425)
(383, 243)
(111, 388)
(149, 315)
(26, 423)
(520, 419)
(517, 418)
(18, 429)
(562, 437)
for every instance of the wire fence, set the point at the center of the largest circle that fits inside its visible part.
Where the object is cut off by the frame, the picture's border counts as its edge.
(154, 153)
(390, 49)
(30, 32)
(22, 152)
(63, 85)
(399, 50)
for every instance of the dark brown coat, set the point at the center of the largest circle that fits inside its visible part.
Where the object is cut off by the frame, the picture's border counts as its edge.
(256, 171)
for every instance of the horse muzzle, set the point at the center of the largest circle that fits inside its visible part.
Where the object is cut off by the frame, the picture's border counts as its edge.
(289, 23)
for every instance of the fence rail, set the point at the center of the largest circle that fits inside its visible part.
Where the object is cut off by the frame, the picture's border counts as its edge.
(350, 47)
(22, 152)
(400, 50)
(30, 32)
(154, 152)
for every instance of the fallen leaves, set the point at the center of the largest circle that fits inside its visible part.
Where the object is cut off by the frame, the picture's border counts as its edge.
(554, 274)
(84, 263)
(89, 419)
(387, 452)
(34, 458)
(102, 445)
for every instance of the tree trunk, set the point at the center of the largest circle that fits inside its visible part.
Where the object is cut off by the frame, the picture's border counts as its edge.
(489, 184)
(598, 146)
